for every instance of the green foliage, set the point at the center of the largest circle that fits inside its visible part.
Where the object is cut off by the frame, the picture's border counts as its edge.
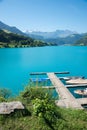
(2, 99)
(47, 110)
(14, 40)
(42, 114)
(43, 104)
(31, 93)
(69, 40)
(82, 41)
(5, 93)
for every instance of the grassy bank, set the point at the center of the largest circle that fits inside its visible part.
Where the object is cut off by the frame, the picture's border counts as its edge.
(42, 113)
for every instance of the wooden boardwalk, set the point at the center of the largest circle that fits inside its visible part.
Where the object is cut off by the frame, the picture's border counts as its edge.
(66, 98)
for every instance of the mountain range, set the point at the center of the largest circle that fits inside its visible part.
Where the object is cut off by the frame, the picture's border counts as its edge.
(58, 37)
(54, 34)
(4, 26)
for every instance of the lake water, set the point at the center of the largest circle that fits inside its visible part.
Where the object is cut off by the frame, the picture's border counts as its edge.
(17, 63)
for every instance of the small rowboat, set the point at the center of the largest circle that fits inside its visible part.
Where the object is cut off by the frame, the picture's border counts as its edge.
(81, 92)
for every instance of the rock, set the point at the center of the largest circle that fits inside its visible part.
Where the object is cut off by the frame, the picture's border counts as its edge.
(9, 107)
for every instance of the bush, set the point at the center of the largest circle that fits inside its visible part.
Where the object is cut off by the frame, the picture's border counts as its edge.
(31, 93)
(47, 110)
(2, 99)
(5, 93)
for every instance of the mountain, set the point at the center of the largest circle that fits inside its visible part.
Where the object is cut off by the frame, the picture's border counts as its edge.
(82, 41)
(15, 40)
(69, 40)
(58, 37)
(54, 34)
(10, 29)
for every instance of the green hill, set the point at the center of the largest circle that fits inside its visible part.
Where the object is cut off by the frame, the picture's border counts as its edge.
(69, 40)
(82, 41)
(8, 39)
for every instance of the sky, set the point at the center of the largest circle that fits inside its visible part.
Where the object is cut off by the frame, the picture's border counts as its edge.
(45, 15)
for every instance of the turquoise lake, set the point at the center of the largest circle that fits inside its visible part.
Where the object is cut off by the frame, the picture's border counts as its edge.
(17, 63)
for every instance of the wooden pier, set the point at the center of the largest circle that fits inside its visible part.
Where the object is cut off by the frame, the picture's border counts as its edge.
(66, 98)
(78, 85)
(44, 73)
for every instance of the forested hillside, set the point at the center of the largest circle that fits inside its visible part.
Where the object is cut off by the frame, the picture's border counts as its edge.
(82, 41)
(8, 39)
(69, 40)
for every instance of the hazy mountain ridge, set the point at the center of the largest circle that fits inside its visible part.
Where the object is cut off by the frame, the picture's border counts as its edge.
(58, 37)
(54, 34)
(82, 41)
(65, 41)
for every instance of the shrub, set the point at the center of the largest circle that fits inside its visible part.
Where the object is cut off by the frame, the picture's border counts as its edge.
(2, 99)
(5, 93)
(46, 109)
(31, 93)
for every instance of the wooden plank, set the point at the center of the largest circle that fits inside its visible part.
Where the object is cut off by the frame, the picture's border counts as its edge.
(65, 72)
(82, 100)
(71, 77)
(76, 85)
(38, 73)
(44, 73)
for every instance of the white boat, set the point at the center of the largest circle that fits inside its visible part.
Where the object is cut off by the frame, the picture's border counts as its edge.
(77, 81)
(81, 92)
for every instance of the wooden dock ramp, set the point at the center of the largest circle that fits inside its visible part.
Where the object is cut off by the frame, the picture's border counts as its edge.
(66, 98)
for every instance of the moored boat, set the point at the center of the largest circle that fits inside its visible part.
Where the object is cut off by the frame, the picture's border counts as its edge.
(81, 92)
(77, 81)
